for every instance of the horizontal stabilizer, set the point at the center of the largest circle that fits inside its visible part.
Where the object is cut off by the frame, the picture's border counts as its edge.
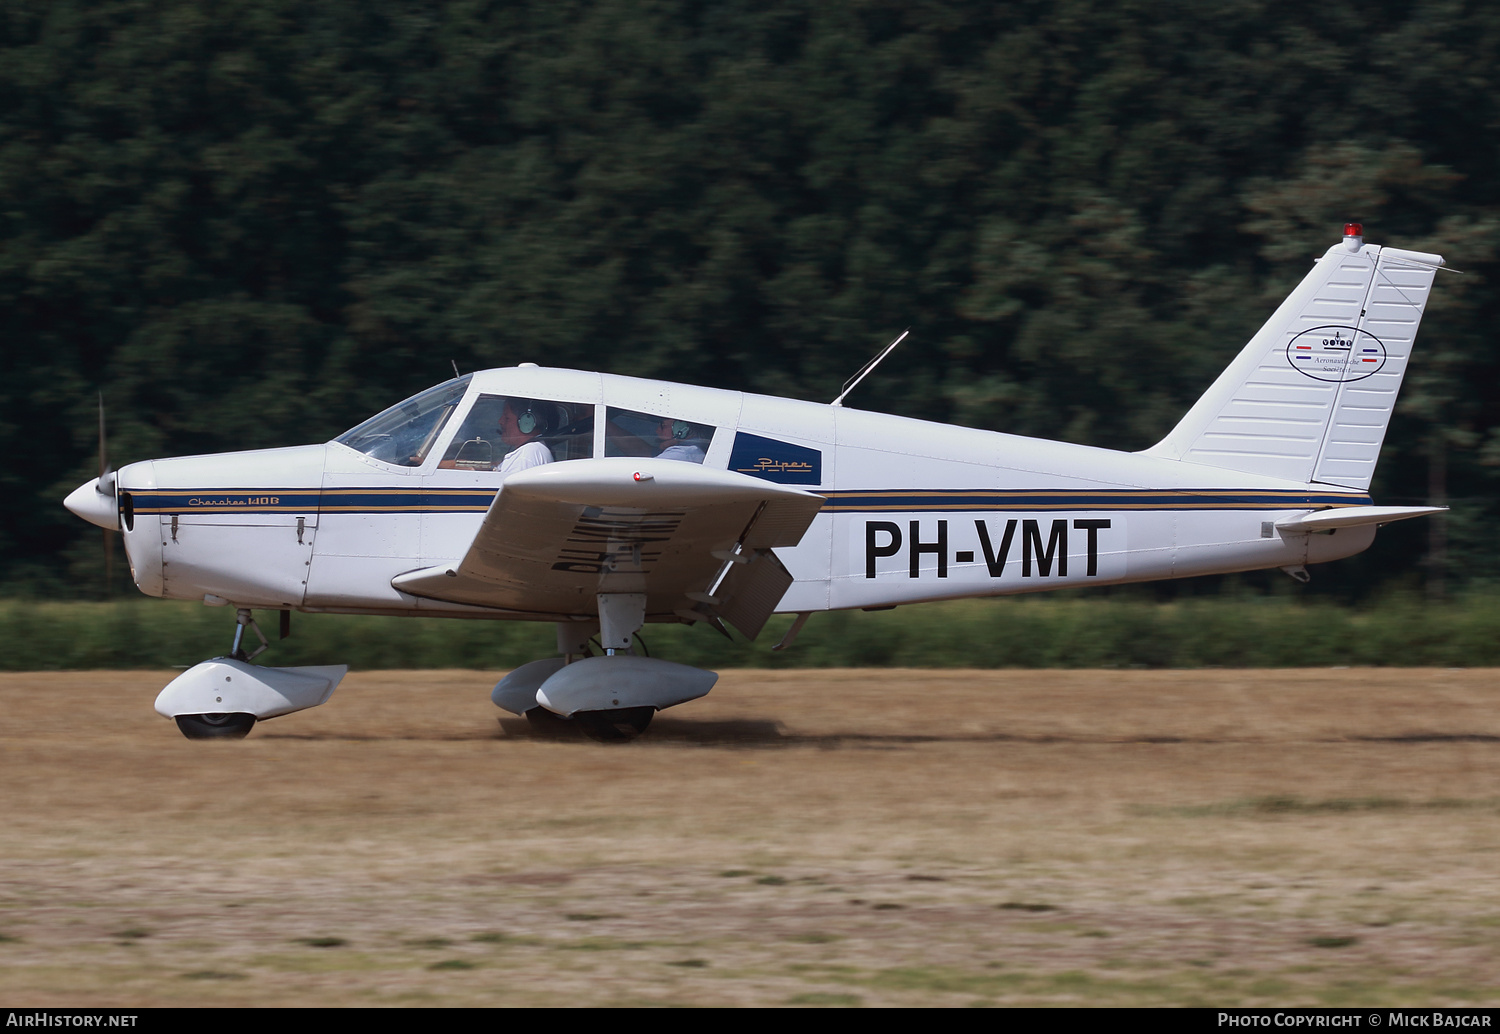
(1354, 517)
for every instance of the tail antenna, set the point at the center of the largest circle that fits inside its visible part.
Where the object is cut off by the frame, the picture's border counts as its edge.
(864, 371)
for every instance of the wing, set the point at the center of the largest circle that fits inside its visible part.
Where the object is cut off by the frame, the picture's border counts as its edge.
(558, 535)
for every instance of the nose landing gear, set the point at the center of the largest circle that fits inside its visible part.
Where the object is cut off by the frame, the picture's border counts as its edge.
(223, 698)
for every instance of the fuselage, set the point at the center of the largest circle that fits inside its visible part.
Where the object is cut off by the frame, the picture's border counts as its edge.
(915, 510)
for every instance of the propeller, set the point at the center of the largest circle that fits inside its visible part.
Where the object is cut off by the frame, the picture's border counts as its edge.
(98, 501)
(106, 487)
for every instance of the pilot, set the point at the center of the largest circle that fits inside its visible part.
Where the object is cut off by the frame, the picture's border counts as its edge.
(521, 424)
(676, 445)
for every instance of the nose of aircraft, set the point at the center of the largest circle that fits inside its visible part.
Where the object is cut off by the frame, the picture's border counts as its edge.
(95, 502)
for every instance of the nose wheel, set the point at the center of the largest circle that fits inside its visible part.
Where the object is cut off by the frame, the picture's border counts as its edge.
(234, 725)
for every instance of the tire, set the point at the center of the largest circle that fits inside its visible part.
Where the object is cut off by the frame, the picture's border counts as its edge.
(546, 725)
(234, 725)
(620, 726)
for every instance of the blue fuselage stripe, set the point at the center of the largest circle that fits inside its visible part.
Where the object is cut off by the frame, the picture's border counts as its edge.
(462, 500)
(1087, 499)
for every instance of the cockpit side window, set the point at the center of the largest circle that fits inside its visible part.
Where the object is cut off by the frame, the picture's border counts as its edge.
(628, 433)
(507, 433)
(405, 433)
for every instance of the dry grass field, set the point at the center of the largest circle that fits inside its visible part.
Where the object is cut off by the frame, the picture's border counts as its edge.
(825, 837)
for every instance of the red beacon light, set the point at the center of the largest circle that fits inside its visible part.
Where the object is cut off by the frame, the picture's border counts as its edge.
(1354, 236)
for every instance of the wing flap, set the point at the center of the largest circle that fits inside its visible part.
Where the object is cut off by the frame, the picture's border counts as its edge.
(751, 591)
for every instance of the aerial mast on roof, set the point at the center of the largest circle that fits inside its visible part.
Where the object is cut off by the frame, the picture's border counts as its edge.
(864, 371)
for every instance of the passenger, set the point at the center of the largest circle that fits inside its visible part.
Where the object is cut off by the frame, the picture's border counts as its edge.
(521, 424)
(676, 445)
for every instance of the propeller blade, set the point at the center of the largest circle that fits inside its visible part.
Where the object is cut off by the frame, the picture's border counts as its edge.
(106, 487)
(103, 453)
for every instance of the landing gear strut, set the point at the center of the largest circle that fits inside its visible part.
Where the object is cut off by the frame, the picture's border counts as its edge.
(243, 620)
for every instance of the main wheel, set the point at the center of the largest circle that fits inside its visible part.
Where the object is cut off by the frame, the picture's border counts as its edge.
(550, 726)
(234, 725)
(619, 726)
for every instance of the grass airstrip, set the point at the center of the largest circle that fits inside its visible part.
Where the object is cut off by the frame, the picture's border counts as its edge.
(832, 837)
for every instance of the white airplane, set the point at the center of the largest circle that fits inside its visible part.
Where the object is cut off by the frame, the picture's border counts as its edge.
(602, 502)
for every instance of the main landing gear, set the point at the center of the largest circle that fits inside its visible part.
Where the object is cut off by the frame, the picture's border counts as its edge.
(610, 698)
(618, 726)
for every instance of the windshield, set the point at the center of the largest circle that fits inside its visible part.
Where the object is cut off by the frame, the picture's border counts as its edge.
(404, 434)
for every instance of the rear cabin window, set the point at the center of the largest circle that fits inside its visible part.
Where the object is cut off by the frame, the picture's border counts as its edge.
(628, 433)
(508, 433)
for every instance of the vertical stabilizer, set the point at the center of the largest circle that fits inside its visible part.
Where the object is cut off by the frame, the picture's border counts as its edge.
(1309, 398)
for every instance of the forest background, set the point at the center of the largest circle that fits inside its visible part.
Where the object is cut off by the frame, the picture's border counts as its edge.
(254, 224)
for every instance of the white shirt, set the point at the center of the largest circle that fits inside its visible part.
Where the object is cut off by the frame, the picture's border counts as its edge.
(684, 451)
(532, 454)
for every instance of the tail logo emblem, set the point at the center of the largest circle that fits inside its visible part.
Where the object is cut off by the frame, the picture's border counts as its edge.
(1336, 354)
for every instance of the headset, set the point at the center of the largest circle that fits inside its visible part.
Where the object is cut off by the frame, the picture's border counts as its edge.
(529, 419)
(681, 429)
